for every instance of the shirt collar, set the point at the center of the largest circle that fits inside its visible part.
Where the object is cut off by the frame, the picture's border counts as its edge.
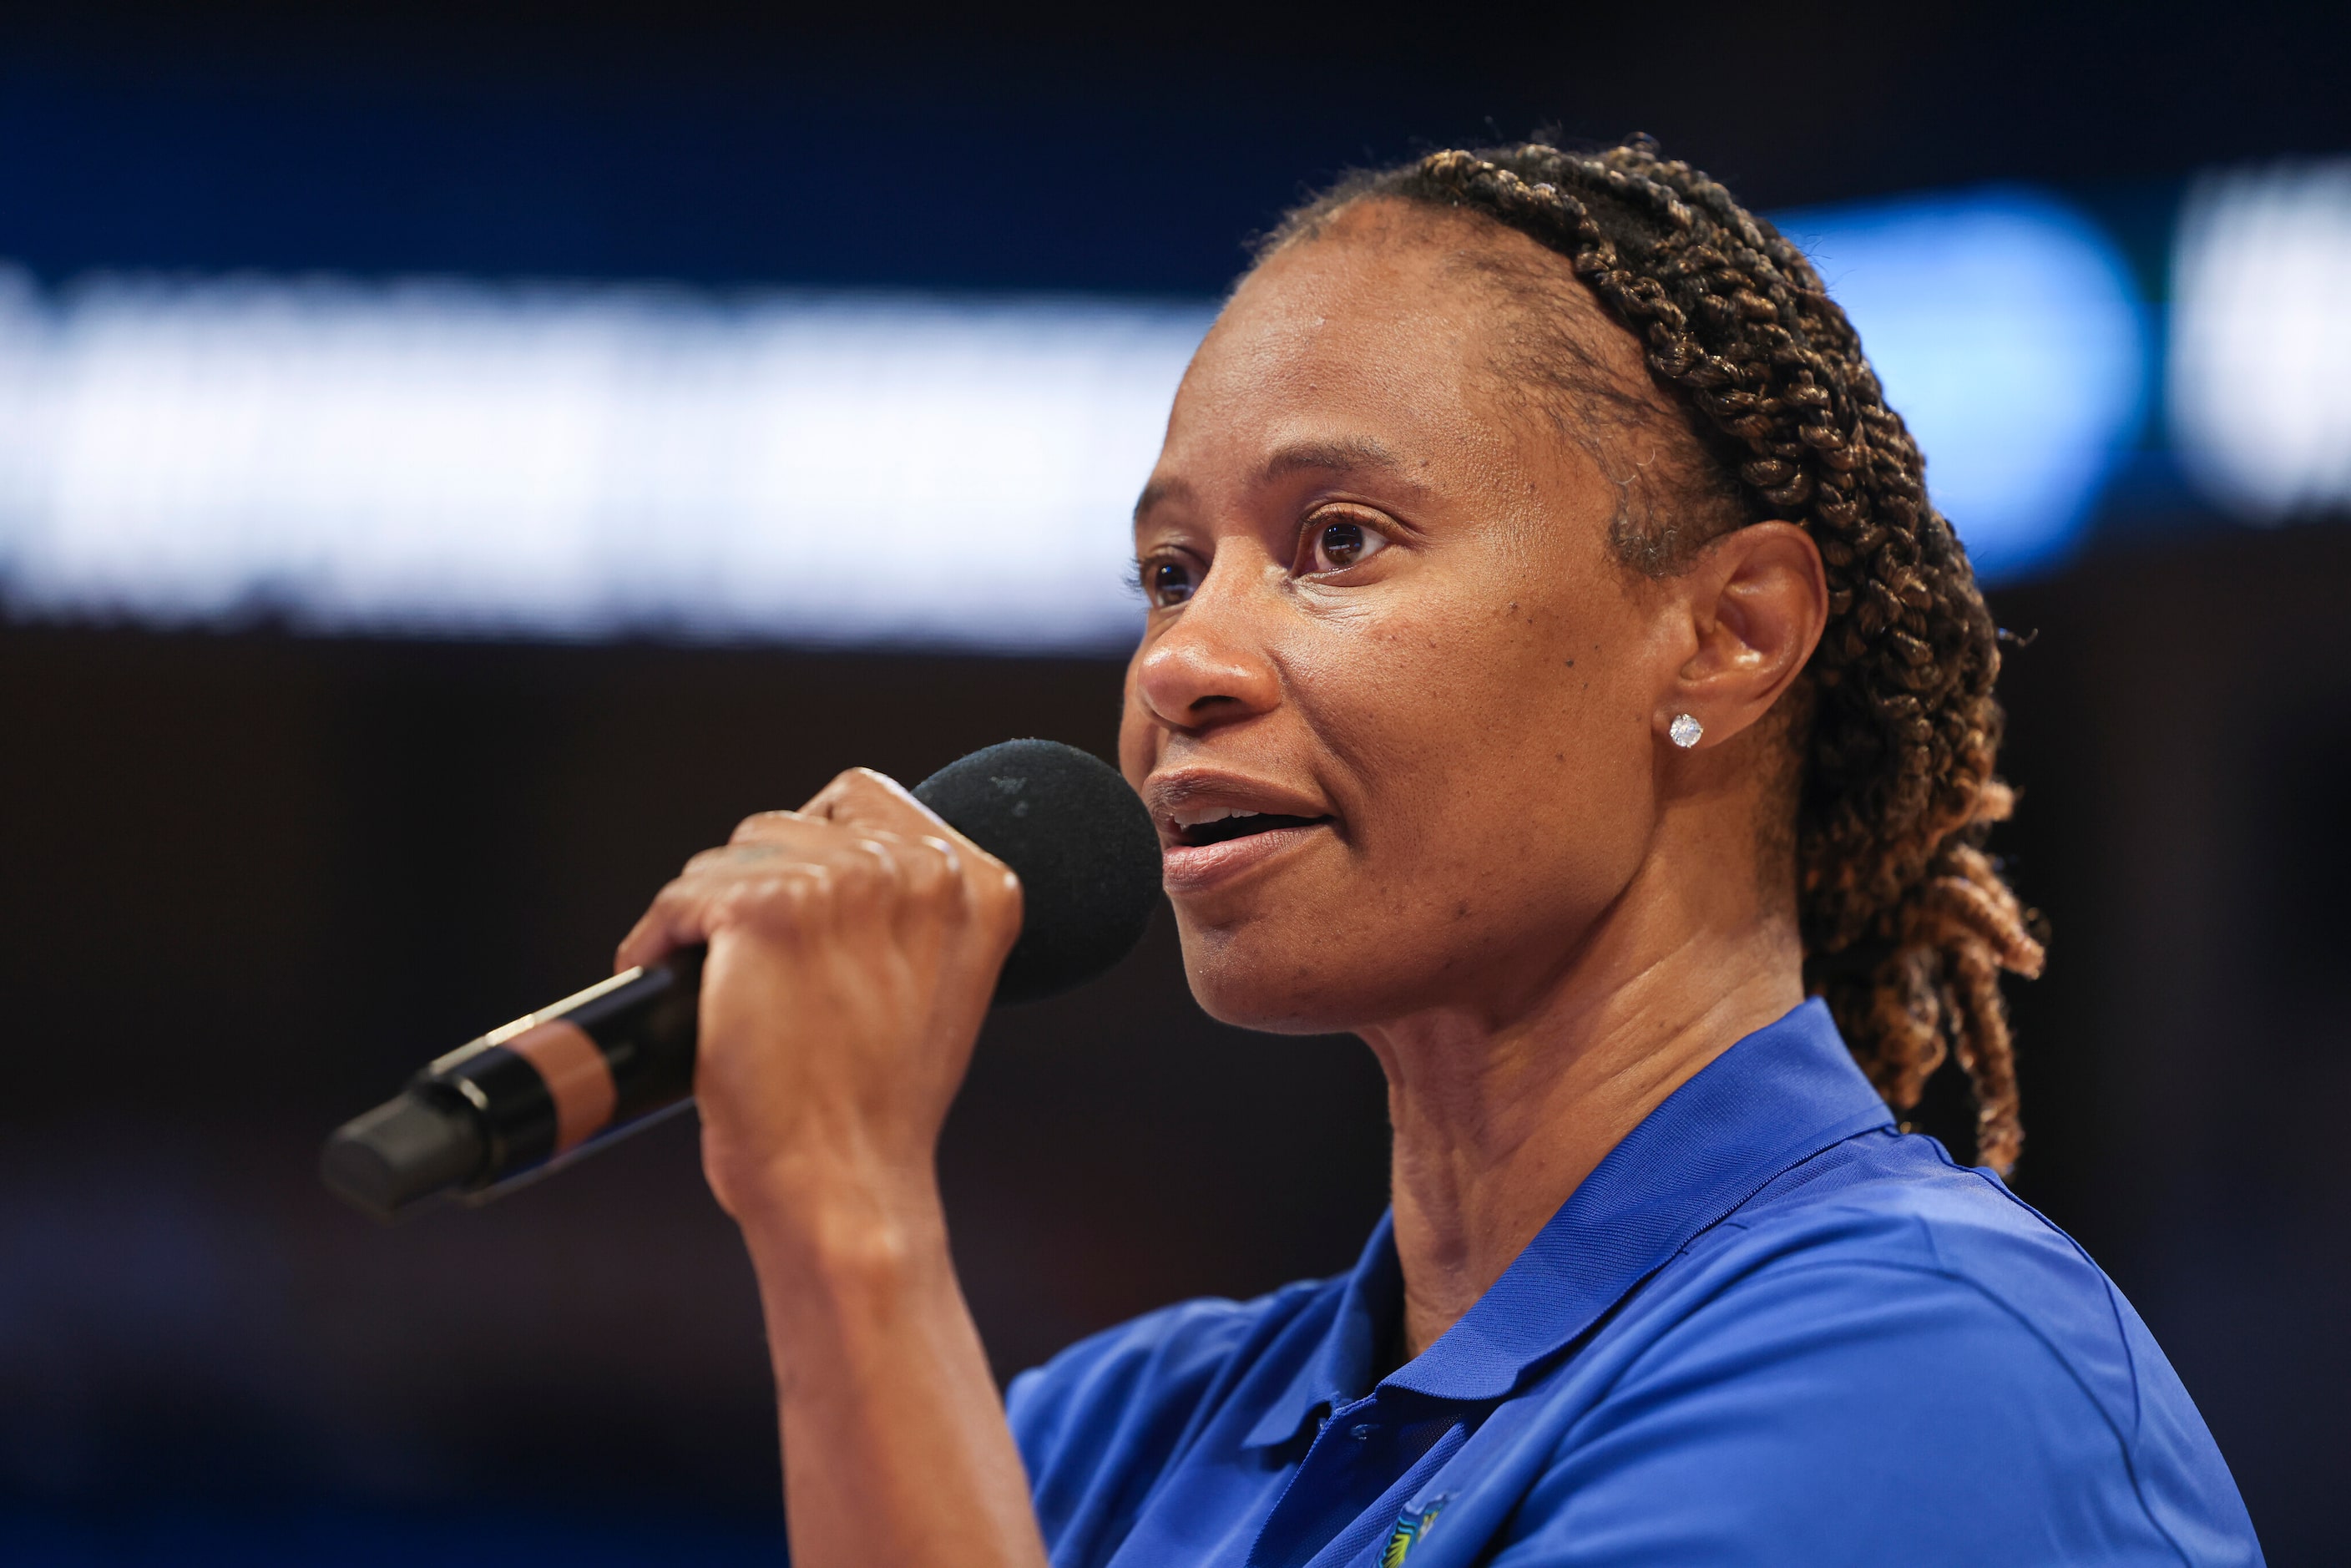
(1339, 1371)
(1772, 1101)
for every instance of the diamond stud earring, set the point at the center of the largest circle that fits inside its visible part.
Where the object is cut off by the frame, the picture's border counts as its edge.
(1684, 731)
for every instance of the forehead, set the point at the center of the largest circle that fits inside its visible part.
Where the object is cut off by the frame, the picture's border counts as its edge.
(1375, 286)
(1435, 334)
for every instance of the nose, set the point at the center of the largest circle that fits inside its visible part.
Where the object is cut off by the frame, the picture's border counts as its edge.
(1213, 664)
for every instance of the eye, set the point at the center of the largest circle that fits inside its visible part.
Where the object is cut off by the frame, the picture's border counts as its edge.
(1339, 544)
(1166, 581)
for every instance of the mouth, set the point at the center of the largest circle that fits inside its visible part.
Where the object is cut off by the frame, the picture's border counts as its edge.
(1199, 828)
(1214, 827)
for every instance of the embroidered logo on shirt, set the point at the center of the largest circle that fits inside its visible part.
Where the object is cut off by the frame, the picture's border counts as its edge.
(1411, 1525)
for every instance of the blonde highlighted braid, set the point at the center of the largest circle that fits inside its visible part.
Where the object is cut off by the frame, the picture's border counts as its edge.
(1907, 924)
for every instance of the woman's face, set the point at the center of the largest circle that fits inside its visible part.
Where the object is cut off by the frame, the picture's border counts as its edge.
(1386, 618)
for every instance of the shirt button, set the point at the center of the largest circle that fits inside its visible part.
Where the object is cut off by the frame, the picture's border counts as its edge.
(1360, 1433)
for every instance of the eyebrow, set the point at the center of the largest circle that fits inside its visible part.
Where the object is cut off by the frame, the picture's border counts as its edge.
(1156, 491)
(1338, 456)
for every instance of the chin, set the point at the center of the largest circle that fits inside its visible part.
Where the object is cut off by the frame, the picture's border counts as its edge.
(1270, 983)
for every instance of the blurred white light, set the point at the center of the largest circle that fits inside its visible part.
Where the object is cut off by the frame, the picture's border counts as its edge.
(2010, 338)
(2261, 339)
(462, 458)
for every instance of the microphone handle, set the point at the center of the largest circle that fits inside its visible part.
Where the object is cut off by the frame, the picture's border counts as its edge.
(567, 1080)
(529, 1096)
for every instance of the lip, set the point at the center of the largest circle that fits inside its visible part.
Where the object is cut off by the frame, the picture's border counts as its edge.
(1195, 868)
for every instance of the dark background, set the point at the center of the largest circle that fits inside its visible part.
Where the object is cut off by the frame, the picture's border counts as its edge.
(251, 879)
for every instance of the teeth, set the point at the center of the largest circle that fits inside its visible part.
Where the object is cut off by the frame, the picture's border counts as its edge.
(1195, 816)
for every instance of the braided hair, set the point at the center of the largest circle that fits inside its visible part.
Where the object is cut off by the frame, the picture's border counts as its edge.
(1907, 923)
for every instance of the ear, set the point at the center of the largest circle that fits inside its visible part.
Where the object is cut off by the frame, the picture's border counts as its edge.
(1757, 599)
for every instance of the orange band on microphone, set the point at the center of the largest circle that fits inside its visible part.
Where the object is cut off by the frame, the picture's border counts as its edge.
(578, 1079)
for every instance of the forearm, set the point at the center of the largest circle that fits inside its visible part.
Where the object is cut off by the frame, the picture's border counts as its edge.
(852, 946)
(895, 1448)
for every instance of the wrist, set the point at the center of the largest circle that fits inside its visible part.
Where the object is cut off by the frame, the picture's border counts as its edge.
(851, 1234)
(820, 1185)
(864, 1298)
(831, 1249)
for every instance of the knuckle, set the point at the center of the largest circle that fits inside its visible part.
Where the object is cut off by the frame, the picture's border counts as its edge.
(761, 823)
(806, 889)
(988, 868)
(939, 866)
(873, 864)
(781, 899)
(864, 796)
(708, 860)
(935, 871)
(849, 784)
(1001, 895)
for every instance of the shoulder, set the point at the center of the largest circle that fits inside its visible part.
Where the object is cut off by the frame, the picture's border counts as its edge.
(1098, 1423)
(1889, 1201)
(1882, 1346)
(1887, 1235)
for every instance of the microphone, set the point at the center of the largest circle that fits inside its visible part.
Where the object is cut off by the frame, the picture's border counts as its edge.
(556, 1085)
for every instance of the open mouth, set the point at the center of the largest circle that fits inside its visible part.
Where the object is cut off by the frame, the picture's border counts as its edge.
(1224, 826)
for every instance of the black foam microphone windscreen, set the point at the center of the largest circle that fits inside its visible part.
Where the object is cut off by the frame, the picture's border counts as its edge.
(1081, 842)
(572, 1078)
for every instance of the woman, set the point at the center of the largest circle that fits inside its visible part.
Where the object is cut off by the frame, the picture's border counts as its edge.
(1554, 674)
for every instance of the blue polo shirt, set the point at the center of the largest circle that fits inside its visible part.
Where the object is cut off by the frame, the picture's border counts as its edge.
(1770, 1328)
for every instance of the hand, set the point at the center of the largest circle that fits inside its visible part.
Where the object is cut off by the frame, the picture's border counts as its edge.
(853, 946)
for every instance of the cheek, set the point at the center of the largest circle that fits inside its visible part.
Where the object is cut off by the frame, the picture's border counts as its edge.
(1514, 801)
(1463, 723)
(1496, 780)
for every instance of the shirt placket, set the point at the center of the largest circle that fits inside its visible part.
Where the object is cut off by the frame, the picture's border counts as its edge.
(1364, 1454)
(1333, 1469)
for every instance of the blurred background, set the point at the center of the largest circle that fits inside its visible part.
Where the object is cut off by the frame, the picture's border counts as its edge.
(457, 459)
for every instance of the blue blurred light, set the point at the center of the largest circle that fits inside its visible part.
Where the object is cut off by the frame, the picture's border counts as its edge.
(2011, 338)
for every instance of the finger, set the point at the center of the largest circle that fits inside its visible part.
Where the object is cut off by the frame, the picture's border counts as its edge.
(922, 879)
(680, 913)
(874, 850)
(762, 841)
(661, 930)
(729, 857)
(799, 829)
(862, 798)
(759, 825)
(877, 801)
(761, 845)
(929, 883)
(786, 897)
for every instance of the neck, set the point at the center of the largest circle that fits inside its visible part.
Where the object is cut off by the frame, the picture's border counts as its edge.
(1498, 1119)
